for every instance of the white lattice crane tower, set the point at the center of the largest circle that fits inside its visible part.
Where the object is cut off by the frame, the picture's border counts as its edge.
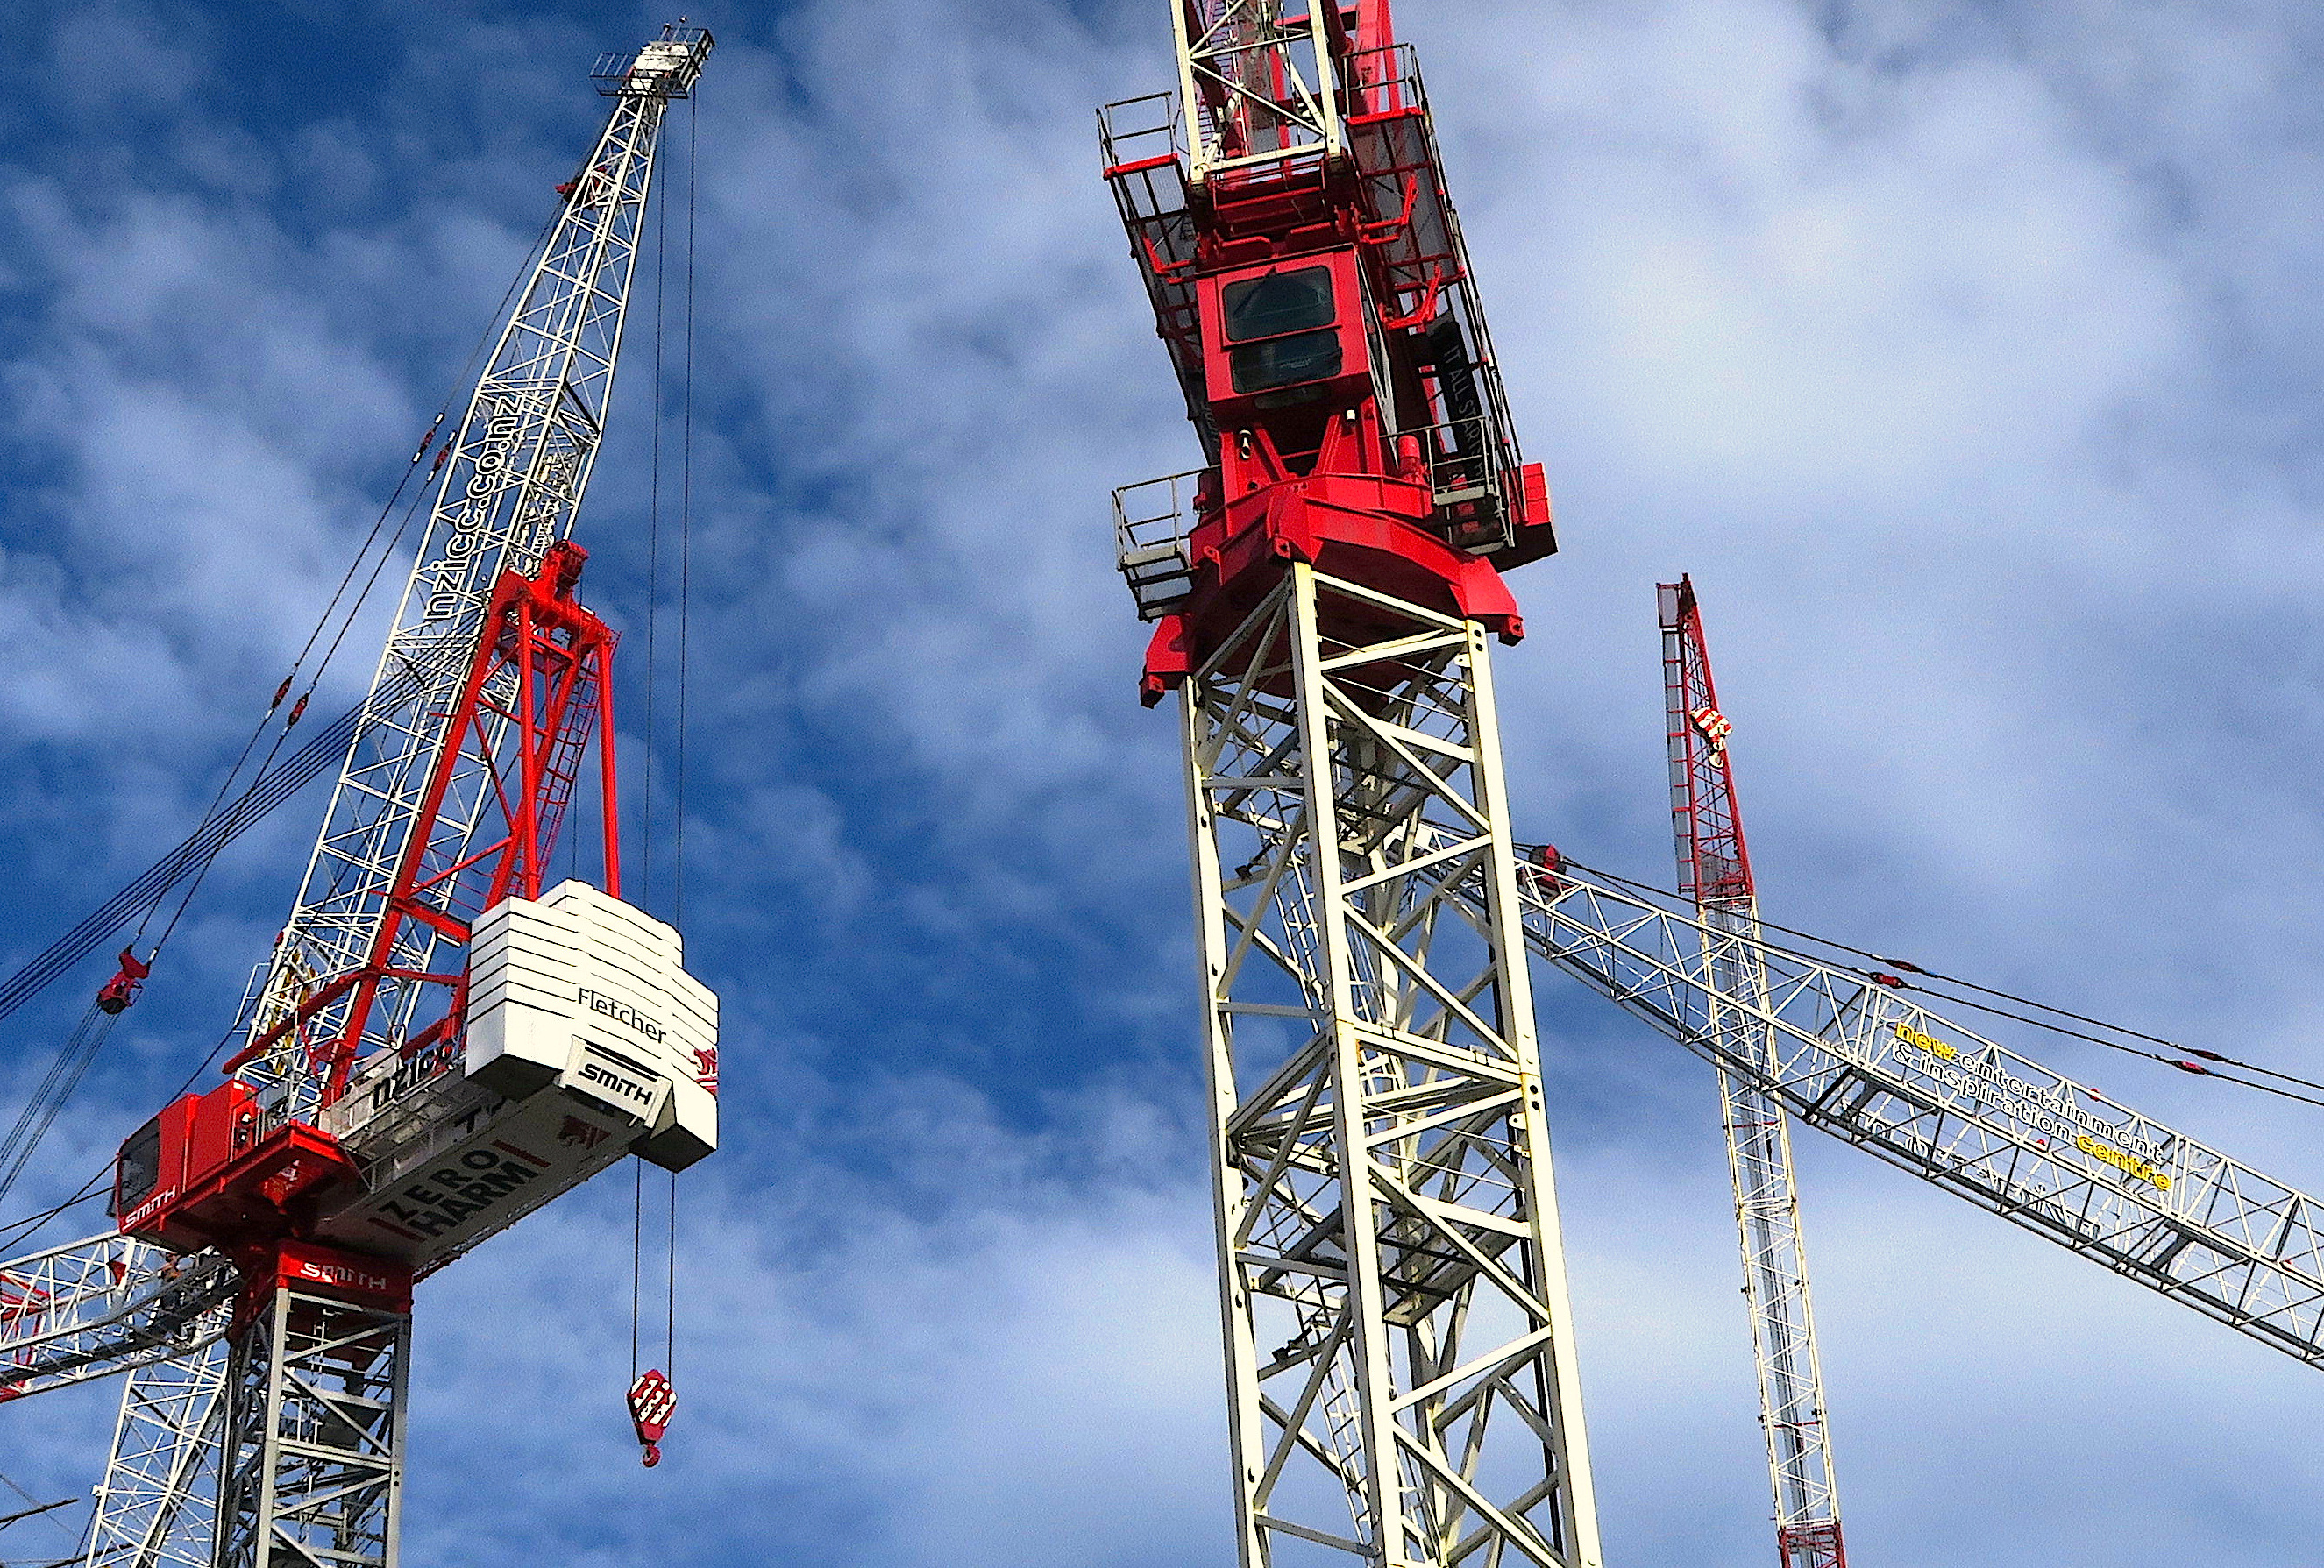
(441, 1041)
(1400, 1350)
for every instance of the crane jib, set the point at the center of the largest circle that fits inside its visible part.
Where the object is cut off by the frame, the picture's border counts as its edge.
(520, 459)
(1853, 1059)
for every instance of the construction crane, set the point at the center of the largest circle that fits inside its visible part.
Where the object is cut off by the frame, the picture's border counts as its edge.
(1398, 1341)
(441, 1040)
(1714, 871)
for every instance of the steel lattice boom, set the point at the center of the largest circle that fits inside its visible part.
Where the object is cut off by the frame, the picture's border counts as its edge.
(1714, 867)
(519, 466)
(1866, 1062)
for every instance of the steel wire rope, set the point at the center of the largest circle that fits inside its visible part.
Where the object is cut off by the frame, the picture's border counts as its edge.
(1887, 981)
(355, 565)
(72, 1060)
(16, 1232)
(39, 1509)
(199, 852)
(684, 643)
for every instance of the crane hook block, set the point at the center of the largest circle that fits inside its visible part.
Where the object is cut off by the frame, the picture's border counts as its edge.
(652, 1401)
(122, 988)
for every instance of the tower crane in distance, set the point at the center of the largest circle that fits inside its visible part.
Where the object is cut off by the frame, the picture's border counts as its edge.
(1714, 871)
(1398, 1342)
(441, 1040)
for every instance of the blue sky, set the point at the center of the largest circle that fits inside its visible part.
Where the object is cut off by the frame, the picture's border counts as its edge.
(1968, 355)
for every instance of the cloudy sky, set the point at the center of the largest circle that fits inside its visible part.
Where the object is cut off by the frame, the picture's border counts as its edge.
(1969, 352)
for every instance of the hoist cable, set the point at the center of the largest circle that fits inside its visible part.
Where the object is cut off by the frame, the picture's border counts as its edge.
(227, 816)
(1887, 981)
(685, 646)
(48, 1101)
(685, 535)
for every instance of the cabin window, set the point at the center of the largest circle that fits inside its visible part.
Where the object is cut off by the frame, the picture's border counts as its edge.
(1278, 303)
(1286, 361)
(140, 1169)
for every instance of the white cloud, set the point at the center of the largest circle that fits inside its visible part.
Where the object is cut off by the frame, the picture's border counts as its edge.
(1965, 354)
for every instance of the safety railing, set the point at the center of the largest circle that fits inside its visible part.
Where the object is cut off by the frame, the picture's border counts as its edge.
(1469, 468)
(1140, 130)
(1152, 522)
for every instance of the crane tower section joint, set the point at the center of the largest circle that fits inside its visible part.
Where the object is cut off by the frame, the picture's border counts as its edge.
(1288, 214)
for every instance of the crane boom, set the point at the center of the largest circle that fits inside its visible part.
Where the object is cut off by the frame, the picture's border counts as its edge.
(1863, 1061)
(1714, 869)
(92, 1308)
(440, 1043)
(518, 468)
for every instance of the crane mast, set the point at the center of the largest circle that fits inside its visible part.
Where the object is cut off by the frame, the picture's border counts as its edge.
(441, 1041)
(1398, 1341)
(1714, 870)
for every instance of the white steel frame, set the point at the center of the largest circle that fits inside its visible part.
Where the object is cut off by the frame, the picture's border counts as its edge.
(1399, 1345)
(1875, 1068)
(94, 1307)
(313, 1459)
(158, 1506)
(1241, 64)
(1774, 1246)
(520, 465)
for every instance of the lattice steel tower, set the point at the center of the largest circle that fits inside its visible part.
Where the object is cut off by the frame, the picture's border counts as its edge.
(1399, 1344)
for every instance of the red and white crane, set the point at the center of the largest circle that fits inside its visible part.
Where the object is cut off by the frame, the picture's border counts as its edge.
(444, 1038)
(1400, 1366)
(1714, 871)
(1399, 1345)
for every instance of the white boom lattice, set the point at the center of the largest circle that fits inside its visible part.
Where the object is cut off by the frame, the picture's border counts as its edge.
(156, 1506)
(93, 1308)
(520, 463)
(1714, 869)
(1400, 1357)
(1856, 1059)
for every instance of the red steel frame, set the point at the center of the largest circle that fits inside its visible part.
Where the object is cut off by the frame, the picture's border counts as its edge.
(542, 672)
(1715, 867)
(1327, 482)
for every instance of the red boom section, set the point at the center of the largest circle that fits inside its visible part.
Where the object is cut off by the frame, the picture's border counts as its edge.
(211, 1171)
(1321, 314)
(1714, 866)
(539, 687)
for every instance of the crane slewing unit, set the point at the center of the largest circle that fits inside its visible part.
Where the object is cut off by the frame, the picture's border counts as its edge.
(1399, 1352)
(1714, 870)
(441, 1040)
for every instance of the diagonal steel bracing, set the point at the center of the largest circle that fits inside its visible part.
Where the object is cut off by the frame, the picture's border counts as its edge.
(518, 469)
(159, 1504)
(313, 1437)
(1398, 1340)
(1871, 1065)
